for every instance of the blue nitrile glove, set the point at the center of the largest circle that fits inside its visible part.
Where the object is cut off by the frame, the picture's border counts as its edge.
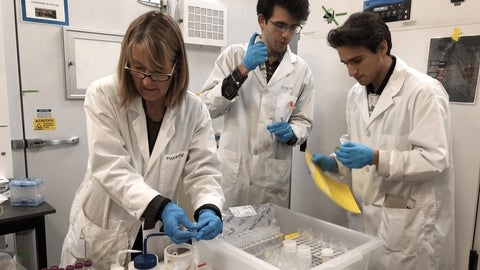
(209, 225)
(256, 53)
(172, 216)
(282, 130)
(326, 163)
(354, 155)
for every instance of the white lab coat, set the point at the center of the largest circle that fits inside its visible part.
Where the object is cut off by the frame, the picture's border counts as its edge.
(410, 125)
(122, 177)
(256, 167)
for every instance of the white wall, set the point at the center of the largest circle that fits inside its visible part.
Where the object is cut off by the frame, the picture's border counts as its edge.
(332, 83)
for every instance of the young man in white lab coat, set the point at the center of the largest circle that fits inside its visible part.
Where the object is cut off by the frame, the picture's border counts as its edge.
(264, 92)
(400, 150)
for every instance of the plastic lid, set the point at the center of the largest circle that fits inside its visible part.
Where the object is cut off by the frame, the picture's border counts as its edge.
(327, 252)
(304, 251)
(289, 245)
(69, 267)
(145, 261)
(25, 182)
(78, 265)
(88, 263)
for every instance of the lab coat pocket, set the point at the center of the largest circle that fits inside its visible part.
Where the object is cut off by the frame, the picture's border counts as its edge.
(230, 161)
(277, 175)
(102, 243)
(402, 230)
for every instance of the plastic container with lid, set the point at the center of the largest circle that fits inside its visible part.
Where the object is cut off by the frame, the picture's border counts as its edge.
(288, 260)
(146, 260)
(304, 257)
(27, 191)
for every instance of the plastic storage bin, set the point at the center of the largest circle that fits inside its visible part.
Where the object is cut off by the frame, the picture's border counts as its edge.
(244, 243)
(27, 191)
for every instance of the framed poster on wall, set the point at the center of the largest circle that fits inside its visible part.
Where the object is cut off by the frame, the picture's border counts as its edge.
(46, 11)
(456, 64)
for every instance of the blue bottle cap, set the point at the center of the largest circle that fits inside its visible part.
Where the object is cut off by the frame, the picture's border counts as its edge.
(145, 261)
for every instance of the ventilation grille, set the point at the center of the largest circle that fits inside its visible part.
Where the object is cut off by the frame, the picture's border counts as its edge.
(204, 23)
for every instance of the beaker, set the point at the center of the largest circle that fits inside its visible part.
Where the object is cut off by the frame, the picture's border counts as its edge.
(344, 138)
(179, 257)
(102, 243)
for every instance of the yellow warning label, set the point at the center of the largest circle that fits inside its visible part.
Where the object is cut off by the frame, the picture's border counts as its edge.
(44, 124)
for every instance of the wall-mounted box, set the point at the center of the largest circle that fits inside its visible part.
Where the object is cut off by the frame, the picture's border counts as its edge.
(89, 55)
(203, 23)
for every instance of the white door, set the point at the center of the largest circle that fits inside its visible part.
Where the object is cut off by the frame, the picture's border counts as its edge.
(42, 81)
(37, 92)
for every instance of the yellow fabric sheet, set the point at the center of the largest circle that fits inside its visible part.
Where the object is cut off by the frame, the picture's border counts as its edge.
(340, 193)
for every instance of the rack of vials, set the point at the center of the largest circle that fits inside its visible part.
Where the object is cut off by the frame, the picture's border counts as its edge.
(270, 237)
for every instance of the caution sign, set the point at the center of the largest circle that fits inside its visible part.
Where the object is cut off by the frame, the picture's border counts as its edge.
(44, 124)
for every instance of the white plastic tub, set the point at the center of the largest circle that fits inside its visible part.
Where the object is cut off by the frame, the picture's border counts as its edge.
(220, 255)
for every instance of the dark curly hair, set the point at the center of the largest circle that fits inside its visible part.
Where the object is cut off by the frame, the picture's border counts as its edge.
(298, 8)
(361, 29)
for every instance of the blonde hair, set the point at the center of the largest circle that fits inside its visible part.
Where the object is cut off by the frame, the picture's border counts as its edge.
(162, 41)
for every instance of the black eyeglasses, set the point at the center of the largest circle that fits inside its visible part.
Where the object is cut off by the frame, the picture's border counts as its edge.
(158, 77)
(283, 27)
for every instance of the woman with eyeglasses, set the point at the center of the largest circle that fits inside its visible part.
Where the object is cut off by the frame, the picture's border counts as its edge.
(264, 93)
(146, 136)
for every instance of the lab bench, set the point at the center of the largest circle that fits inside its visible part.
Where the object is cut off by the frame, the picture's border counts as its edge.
(24, 218)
